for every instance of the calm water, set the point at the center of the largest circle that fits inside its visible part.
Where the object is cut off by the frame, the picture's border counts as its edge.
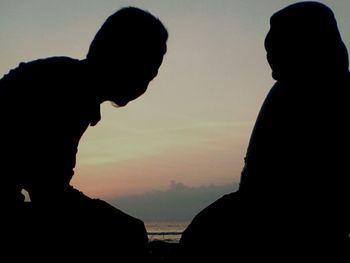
(165, 231)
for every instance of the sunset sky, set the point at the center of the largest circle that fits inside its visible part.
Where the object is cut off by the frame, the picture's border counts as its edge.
(193, 124)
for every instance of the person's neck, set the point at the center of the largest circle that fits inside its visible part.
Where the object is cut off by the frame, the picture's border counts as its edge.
(94, 80)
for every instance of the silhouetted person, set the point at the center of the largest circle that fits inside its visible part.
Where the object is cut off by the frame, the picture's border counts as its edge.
(294, 197)
(46, 106)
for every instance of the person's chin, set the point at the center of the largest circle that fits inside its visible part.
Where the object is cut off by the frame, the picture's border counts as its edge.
(276, 75)
(119, 104)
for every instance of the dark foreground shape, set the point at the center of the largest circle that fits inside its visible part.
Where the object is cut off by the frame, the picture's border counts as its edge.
(164, 252)
(96, 231)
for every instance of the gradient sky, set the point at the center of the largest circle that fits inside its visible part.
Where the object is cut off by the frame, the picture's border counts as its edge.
(193, 124)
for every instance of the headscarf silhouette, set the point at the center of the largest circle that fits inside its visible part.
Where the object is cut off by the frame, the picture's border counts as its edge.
(304, 40)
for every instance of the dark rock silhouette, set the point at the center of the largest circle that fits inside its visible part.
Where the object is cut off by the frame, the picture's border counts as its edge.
(46, 106)
(294, 194)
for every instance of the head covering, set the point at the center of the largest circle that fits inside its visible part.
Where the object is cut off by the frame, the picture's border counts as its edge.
(304, 40)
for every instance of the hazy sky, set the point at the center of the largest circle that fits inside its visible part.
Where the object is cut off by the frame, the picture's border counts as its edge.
(193, 124)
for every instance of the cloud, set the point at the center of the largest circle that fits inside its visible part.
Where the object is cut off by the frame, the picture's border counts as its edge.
(178, 203)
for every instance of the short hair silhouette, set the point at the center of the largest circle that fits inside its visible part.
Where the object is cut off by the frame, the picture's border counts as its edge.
(129, 29)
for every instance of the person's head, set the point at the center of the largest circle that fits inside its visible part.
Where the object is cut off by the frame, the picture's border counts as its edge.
(304, 40)
(126, 53)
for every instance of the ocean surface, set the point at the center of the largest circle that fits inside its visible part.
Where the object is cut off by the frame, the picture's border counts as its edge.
(169, 231)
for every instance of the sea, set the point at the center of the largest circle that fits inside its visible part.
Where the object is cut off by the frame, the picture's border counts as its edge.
(167, 231)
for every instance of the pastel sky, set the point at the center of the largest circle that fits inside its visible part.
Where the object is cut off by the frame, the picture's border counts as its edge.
(193, 124)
